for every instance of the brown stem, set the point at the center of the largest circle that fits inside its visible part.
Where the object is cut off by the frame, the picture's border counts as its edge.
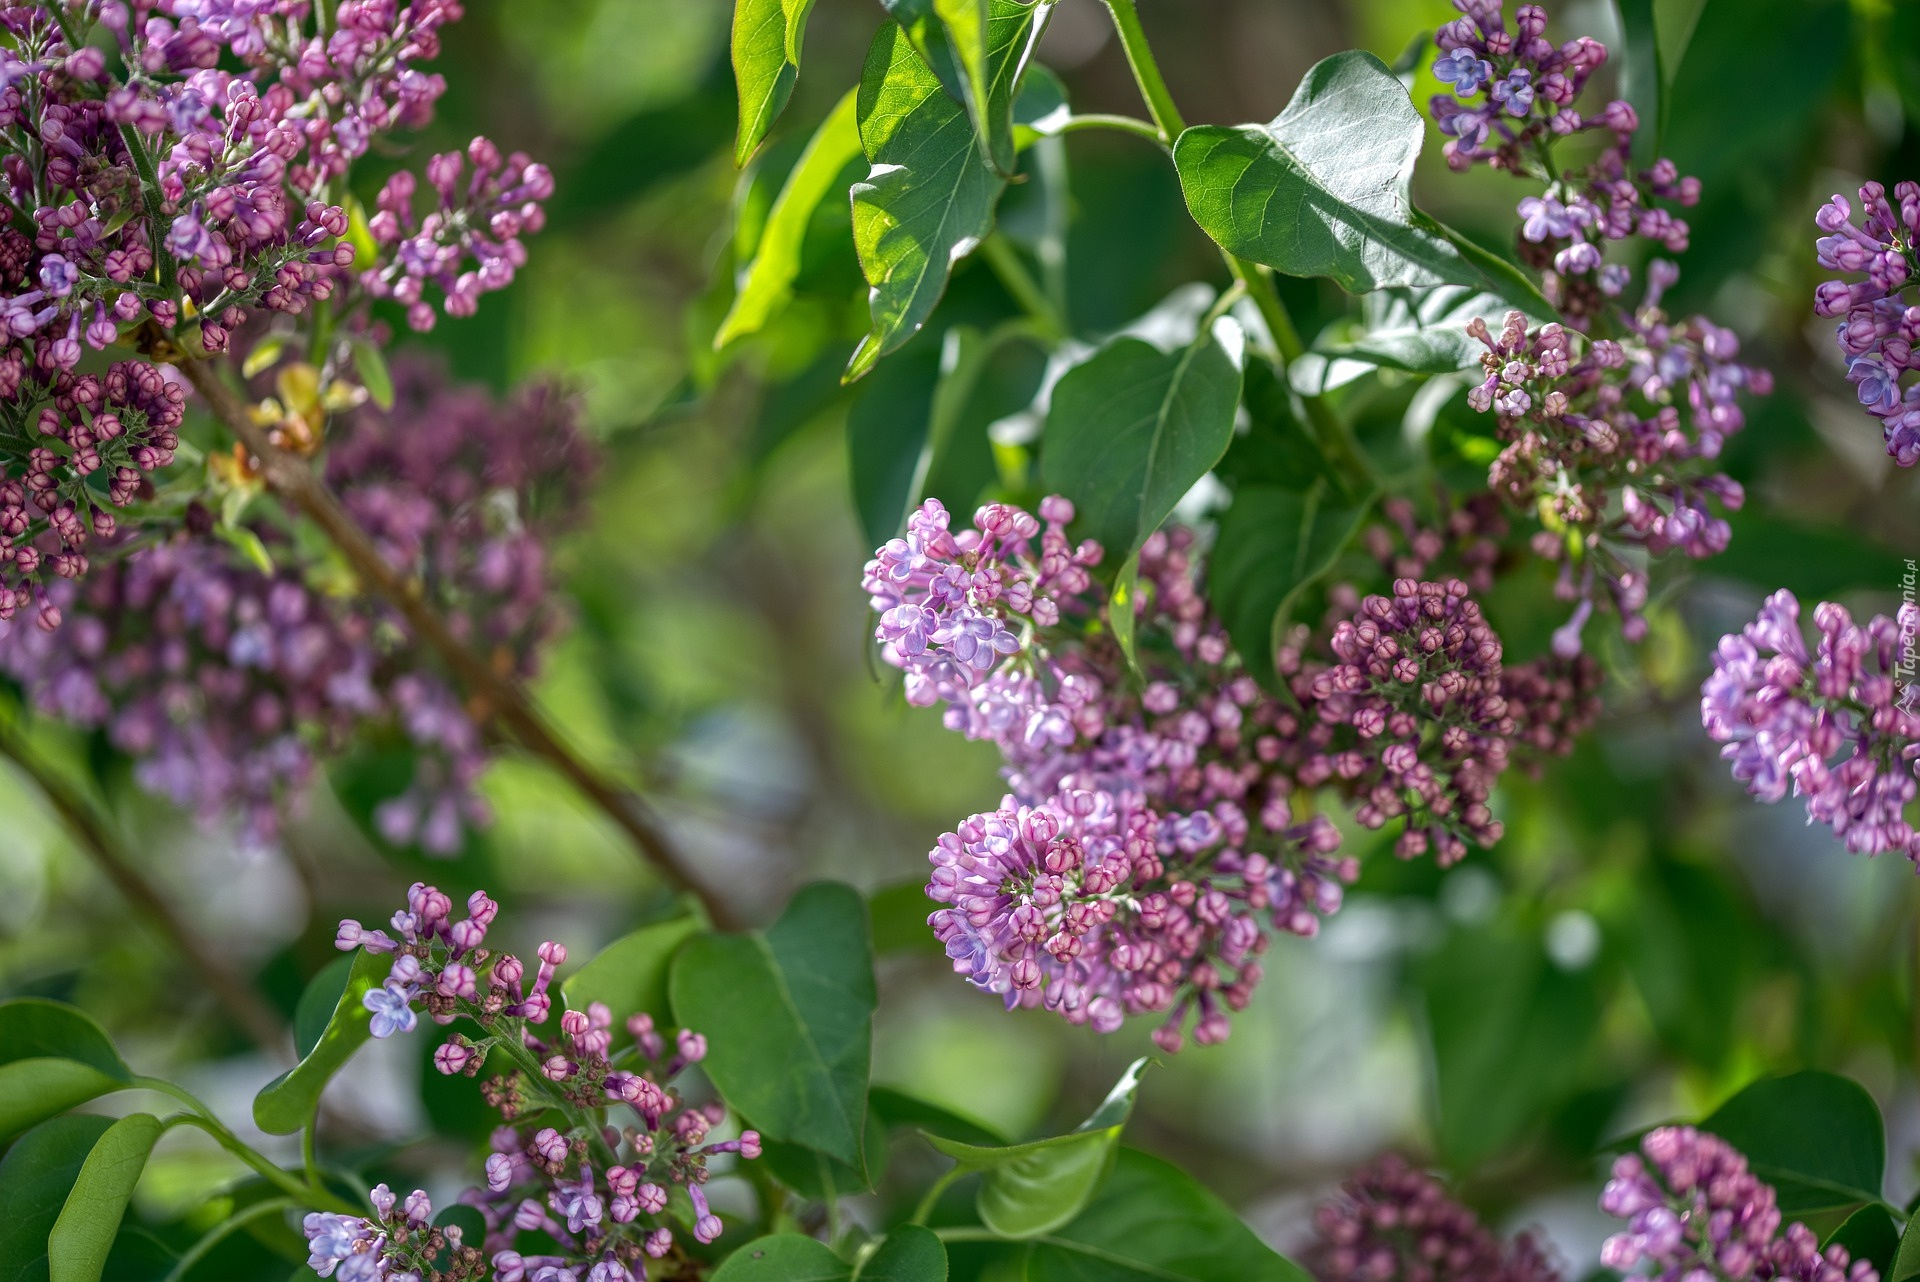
(248, 1009)
(505, 701)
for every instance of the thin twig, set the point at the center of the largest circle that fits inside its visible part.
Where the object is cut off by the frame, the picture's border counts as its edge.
(247, 1008)
(505, 701)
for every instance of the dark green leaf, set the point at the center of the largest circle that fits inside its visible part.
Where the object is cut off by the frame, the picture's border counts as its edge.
(1154, 1221)
(1906, 1260)
(1642, 78)
(767, 284)
(1870, 1233)
(52, 1057)
(814, 1175)
(138, 1256)
(82, 1237)
(285, 1104)
(630, 974)
(910, 1254)
(788, 1016)
(1273, 544)
(1031, 1189)
(1816, 1137)
(767, 35)
(784, 1257)
(929, 198)
(317, 1003)
(1131, 430)
(1322, 189)
(1815, 562)
(36, 1175)
(472, 1224)
(887, 429)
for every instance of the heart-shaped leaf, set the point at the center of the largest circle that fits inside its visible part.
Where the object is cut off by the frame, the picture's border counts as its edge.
(788, 1014)
(1154, 1221)
(767, 283)
(1131, 430)
(1816, 1137)
(767, 35)
(783, 1257)
(1031, 1189)
(909, 1254)
(52, 1057)
(285, 1104)
(1273, 544)
(82, 1236)
(36, 1175)
(630, 974)
(929, 197)
(1321, 190)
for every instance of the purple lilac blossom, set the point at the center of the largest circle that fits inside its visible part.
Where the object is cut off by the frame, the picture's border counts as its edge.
(587, 1153)
(1393, 1223)
(1879, 321)
(175, 192)
(1616, 438)
(228, 684)
(1695, 1211)
(1828, 721)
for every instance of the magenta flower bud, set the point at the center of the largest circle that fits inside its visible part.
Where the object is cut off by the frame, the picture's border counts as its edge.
(453, 1057)
(659, 1242)
(652, 1198)
(499, 1172)
(749, 1144)
(550, 1145)
(693, 1047)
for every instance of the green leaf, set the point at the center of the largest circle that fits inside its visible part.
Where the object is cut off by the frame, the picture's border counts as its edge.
(314, 1011)
(909, 1254)
(965, 22)
(887, 433)
(766, 285)
(82, 1236)
(929, 198)
(1132, 429)
(1423, 331)
(1154, 1221)
(630, 974)
(286, 1103)
(52, 1057)
(1034, 1188)
(36, 1175)
(1322, 189)
(898, 914)
(1123, 611)
(783, 1257)
(1274, 543)
(767, 35)
(374, 376)
(813, 1174)
(788, 1015)
(1642, 78)
(1816, 1137)
(1906, 1260)
(1870, 1233)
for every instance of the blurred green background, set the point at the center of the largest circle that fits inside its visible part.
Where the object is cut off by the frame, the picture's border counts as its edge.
(1644, 941)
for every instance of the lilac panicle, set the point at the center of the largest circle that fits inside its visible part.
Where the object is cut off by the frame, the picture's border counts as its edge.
(1393, 1223)
(168, 195)
(1696, 1213)
(587, 1152)
(1828, 721)
(1878, 315)
(228, 684)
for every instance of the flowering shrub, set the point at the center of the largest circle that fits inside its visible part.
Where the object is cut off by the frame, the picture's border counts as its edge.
(1275, 607)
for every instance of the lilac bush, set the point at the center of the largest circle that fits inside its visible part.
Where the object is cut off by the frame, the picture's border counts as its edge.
(1877, 328)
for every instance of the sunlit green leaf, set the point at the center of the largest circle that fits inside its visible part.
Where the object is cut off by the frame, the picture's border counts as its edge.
(52, 1057)
(82, 1236)
(767, 35)
(285, 1104)
(1322, 189)
(767, 284)
(36, 1175)
(1033, 1188)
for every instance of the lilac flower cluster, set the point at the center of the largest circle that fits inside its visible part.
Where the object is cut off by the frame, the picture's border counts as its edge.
(226, 683)
(1829, 721)
(1879, 329)
(1694, 1211)
(165, 197)
(1530, 87)
(400, 1243)
(1598, 445)
(600, 1191)
(1393, 1223)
